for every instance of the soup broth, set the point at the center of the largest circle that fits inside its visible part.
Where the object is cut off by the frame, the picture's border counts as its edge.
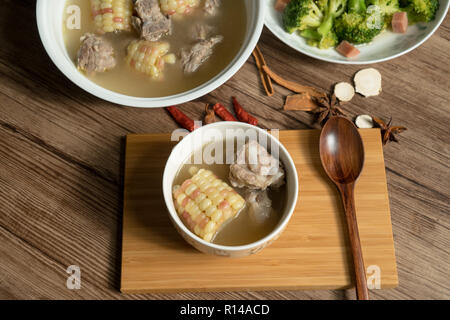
(242, 229)
(231, 23)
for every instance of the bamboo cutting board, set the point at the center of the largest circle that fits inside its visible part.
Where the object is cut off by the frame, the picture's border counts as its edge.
(312, 253)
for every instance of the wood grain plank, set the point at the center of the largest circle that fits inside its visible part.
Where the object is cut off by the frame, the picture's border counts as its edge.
(59, 225)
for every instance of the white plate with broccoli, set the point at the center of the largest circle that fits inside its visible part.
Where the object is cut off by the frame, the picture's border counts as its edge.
(317, 27)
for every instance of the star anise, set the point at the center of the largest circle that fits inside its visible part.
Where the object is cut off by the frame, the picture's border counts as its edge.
(387, 130)
(328, 106)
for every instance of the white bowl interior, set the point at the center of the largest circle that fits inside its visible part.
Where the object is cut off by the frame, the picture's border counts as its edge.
(49, 15)
(179, 156)
(386, 46)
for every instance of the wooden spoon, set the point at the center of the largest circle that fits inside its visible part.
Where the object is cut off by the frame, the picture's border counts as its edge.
(342, 156)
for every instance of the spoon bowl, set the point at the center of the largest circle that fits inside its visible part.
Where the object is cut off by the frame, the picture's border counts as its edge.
(342, 155)
(341, 150)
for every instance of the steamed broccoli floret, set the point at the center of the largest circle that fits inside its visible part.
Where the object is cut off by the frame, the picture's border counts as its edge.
(322, 4)
(334, 9)
(301, 14)
(387, 9)
(324, 37)
(386, 6)
(358, 25)
(328, 41)
(403, 3)
(422, 10)
(357, 6)
(315, 39)
(314, 19)
(357, 28)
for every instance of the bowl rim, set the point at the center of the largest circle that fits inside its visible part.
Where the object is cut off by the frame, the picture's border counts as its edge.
(254, 31)
(355, 62)
(276, 231)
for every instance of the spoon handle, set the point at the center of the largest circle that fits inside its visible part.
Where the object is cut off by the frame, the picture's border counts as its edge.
(347, 193)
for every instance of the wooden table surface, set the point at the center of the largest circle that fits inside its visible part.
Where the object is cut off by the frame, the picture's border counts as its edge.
(61, 161)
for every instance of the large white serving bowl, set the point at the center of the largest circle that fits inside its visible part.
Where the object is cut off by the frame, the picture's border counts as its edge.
(183, 151)
(49, 14)
(386, 46)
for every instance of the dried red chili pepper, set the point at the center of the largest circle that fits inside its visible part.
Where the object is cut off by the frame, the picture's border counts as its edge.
(223, 113)
(182, 119)
(243, 115)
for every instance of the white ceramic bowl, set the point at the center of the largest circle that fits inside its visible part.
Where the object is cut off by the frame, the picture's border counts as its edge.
(49, 15)
(386, 46)
(183, 150)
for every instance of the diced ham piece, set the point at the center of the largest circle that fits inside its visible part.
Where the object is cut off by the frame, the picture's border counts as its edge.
(347, 50)
(281, 4)
(399, 22)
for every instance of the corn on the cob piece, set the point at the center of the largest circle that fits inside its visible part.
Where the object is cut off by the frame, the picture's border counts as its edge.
(205, 203)
(112, 15)
(149, 57)
(171, 7)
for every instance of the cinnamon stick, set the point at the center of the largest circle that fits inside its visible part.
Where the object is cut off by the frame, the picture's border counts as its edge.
(293, 86)
(266, 80)
(300, 102)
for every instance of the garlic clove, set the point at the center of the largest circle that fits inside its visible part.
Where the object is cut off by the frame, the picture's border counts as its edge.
(368, 82)
(364, 121)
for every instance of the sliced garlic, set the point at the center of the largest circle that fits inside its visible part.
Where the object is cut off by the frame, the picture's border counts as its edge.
(364, 121)
(368, 82)
(344, 91)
